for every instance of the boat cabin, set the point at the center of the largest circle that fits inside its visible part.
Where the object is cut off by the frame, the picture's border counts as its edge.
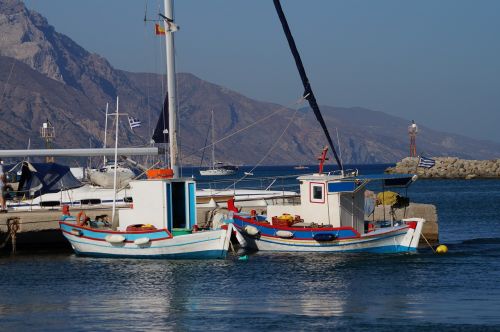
(327, 200)
(335, 200)
(162, 203)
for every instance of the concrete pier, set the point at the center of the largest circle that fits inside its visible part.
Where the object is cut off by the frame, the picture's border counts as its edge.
(39, 228)
(414, 210)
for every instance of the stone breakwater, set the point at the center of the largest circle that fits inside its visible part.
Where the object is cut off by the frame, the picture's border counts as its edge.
(449, 168)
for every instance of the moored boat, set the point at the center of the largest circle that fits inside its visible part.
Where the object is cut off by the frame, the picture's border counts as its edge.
(329, 218)
(161, 224)
(162, 221)
(330, 215)
(218, 168)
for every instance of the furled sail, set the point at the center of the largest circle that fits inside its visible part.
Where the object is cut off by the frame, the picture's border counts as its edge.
(160, 134)
(308, 93)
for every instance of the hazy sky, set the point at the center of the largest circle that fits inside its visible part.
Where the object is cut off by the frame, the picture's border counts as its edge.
(437, 62)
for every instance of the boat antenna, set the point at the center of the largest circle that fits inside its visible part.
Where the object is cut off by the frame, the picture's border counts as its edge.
(308, 93)
(340, 149)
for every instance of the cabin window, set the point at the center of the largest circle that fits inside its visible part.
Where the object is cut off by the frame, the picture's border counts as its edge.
(317, 192)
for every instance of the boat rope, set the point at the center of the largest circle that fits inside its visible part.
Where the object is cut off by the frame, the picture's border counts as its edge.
(7, 82)
(423, 236)
(270, 150)
(281, 109)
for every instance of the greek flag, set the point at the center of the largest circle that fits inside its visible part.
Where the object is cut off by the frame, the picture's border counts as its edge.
(133, 122)
(426, 162)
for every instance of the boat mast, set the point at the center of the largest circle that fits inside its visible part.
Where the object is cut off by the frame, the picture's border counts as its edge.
(171, 86)
(308, 93)
(213, 141)
(105, 133)
(113, 212)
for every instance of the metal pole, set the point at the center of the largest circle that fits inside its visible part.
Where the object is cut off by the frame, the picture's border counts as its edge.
(171, 87)
(80, 152)
(116, 159)
(105, 133)
(213, 141)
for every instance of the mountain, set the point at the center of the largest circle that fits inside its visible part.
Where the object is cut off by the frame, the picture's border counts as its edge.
(45, 74)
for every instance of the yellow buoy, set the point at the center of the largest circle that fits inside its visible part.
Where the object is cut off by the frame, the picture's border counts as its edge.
(441, 249)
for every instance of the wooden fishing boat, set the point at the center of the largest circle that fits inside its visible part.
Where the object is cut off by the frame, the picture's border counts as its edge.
(329, 218)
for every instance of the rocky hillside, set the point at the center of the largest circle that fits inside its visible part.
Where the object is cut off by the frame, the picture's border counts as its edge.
(45, 74)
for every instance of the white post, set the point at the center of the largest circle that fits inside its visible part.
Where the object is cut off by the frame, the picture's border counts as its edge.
(116, 159)
(171, 87)
(105, 132)
(213, 141)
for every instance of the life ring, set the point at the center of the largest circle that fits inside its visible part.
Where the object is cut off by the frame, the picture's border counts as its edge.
(79, 220)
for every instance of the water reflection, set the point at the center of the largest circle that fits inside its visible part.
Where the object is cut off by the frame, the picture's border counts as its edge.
(267, 291)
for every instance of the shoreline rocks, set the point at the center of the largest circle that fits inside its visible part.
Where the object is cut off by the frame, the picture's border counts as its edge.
(449, 168)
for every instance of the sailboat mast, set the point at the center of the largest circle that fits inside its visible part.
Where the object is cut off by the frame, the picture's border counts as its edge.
(171, 87)
(308, 93)
(213, 141)
(105, 133)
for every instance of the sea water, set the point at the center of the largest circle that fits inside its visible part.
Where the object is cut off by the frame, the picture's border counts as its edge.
(373, 292)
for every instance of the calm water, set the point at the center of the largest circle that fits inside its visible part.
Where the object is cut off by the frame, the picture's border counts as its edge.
(402, 292)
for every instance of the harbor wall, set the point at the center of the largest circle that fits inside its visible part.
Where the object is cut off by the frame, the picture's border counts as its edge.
(449, 168)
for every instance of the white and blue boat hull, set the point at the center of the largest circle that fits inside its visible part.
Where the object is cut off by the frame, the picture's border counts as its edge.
(161, 245)
(403, 238)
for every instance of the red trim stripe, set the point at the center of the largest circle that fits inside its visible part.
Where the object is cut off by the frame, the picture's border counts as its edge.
(115, 232)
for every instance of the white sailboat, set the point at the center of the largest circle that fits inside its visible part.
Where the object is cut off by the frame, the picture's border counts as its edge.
(218, 168)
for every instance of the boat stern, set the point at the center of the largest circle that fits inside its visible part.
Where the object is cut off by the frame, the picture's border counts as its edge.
(412, 237)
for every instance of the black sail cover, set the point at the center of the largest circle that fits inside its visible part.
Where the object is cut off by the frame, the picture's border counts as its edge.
(160, 134)
(308, 93)
(41, 178)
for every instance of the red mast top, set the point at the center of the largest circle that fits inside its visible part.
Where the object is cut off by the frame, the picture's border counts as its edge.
(322, 159)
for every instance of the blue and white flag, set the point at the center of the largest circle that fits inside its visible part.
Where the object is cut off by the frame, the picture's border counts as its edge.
(426, 162)
(133, 122)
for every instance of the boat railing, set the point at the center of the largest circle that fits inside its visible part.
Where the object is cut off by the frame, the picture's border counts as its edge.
(277, 183)
(346, 172)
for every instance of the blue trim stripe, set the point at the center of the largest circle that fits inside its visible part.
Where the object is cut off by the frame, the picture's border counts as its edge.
(207, 254)
(393, 249)
(168, 195)
(344, 186)
(192, 205)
